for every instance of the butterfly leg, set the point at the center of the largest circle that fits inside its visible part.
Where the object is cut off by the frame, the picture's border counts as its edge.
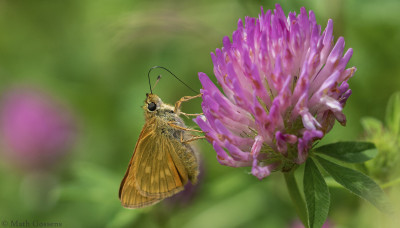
(188, 115)
(191, 114)
(183, 128)
(191, 139)
(183, 99)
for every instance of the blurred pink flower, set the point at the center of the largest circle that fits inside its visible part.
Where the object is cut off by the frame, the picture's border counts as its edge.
(35, 129)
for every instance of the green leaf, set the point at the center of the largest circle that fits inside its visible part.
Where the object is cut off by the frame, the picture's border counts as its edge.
(357, 182)
(393, 113)
(317, 195)
(353, 152)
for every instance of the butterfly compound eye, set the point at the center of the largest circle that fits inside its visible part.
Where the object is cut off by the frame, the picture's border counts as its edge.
(151, 106)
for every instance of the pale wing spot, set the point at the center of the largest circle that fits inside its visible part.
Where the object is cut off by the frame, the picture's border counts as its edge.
(162, 175)
(148, 169)
(167, 172)
(160, 157)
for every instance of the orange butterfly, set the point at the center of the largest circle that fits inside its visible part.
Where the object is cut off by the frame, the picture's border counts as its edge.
(163, 160)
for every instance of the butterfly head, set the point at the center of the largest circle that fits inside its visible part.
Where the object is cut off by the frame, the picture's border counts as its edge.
(154, 106)
(152, 103)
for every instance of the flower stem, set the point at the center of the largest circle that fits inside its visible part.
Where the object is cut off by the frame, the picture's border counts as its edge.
(296, 197)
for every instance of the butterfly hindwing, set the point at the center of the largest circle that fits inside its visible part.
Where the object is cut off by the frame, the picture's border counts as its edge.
(130, 196)
(159, 172)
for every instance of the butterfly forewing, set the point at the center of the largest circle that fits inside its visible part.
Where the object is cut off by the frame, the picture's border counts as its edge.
(154, 173)
(128, 194)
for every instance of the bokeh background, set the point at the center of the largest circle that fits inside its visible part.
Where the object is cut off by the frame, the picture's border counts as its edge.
(77, 71)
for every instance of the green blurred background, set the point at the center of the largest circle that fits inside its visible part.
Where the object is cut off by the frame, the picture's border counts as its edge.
(93, 58)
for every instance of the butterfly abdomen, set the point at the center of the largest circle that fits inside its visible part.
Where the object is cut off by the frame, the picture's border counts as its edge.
(185, 152)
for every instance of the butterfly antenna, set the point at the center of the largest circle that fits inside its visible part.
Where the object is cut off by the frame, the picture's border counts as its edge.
(154, 67)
